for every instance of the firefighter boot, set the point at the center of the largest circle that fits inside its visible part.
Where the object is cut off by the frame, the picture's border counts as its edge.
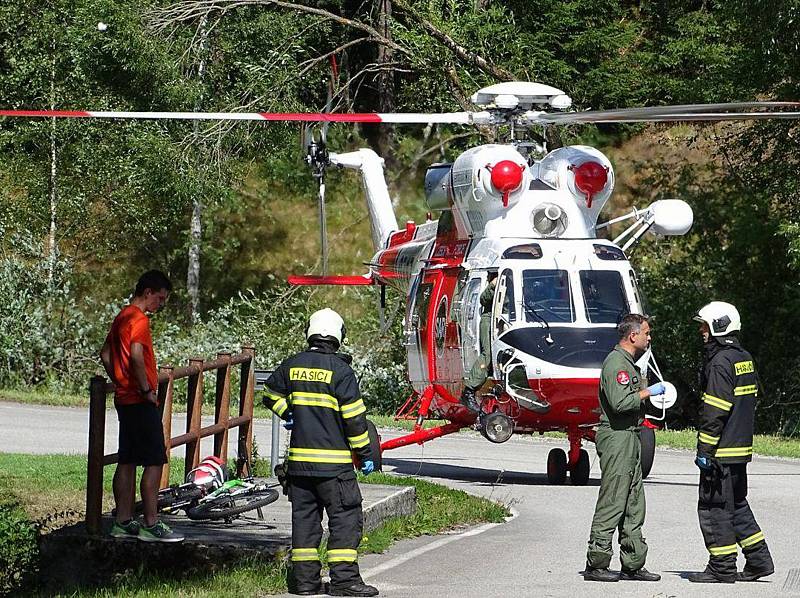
(357, 589)
(748, 574)
(709, 576)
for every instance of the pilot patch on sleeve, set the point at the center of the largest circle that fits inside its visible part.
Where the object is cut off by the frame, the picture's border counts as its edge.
(622, 377)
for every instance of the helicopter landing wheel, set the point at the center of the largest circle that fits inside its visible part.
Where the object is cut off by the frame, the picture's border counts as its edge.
(497, 427)
(557, 466)
(579, 474)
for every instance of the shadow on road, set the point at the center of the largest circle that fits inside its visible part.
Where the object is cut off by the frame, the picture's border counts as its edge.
(484, 477)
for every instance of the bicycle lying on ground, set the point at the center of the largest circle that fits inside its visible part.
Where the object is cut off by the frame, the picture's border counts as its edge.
(207, 495)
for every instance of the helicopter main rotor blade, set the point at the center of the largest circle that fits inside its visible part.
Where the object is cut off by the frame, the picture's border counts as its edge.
(685, 112)
(356, 117)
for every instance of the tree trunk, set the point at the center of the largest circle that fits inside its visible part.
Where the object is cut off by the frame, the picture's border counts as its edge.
(196, 224)
(386, 85)
(52, 243)
(193, 270)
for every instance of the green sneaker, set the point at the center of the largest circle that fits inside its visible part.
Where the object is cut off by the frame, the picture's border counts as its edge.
(128, 529)
(160, 532)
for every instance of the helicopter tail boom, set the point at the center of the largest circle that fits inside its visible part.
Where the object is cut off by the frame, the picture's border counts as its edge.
(383, 221)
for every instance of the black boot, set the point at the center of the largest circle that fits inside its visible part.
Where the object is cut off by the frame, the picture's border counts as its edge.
(592, 574)
(322, 588)
(357, 589)
(469, 400)
(709, 577)
(748, 574)
(639, 575)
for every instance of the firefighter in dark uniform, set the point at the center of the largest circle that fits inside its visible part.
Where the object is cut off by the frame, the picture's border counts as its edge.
(317, 393)
(724, 447)
(621, 502)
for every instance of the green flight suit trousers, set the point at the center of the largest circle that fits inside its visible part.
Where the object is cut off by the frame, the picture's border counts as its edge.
(620, 502)
(479, 371)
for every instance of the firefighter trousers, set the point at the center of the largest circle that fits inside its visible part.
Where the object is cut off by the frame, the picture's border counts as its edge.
(620, 502)
(340, 497)
(728, 523)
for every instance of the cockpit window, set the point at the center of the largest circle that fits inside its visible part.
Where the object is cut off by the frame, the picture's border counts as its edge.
(609, 252)
(546, 296)
(604, 296)
(532, 251)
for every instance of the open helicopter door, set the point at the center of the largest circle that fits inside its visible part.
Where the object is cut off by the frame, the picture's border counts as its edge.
(470, 315)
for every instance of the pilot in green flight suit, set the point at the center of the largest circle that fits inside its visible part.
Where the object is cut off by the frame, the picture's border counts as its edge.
(620, 502)
(479, 371)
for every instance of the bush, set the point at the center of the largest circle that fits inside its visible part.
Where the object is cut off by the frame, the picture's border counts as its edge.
(46, 340)
(44, 337)
(19, 551)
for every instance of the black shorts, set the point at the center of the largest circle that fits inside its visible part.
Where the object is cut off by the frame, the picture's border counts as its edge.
(141, 435)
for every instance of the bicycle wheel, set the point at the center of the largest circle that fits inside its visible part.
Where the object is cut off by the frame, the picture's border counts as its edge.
(228, 505)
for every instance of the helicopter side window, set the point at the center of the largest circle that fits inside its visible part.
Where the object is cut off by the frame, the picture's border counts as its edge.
(603, 296)
(546, 296)
(509, 307)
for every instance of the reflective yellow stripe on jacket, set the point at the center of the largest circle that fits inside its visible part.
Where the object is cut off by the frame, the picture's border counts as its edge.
(310, 455)
(279, 405)
(315, 399)
(717, 402)
(358, 441)
(734, 451)
(739, 391)
(750, 540)
(353, 409)
(707, 438)
(342, 555)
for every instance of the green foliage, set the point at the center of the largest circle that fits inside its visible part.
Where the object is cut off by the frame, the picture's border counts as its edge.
(19, 551)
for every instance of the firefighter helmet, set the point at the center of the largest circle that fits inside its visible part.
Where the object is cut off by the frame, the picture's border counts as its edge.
(722, 318)
(326, 322)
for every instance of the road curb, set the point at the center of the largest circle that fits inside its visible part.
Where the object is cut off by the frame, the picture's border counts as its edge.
(403, 502)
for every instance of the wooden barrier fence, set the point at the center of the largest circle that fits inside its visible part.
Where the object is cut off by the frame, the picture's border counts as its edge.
(100, 388)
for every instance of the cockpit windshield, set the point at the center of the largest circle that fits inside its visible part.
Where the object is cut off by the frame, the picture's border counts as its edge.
(604, 296)
(546, 296)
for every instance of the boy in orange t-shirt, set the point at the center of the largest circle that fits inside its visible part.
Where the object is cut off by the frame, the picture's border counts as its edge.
(130, 362)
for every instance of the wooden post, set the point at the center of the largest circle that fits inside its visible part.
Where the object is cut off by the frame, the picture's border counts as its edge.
(222, 407)
(247, 384)
(194, 403)
(165, 392)
(94, 468)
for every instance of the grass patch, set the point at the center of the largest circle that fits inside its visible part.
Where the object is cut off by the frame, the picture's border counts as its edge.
(46, 484)
(31, 397)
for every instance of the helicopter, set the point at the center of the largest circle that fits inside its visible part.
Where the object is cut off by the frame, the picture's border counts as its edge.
(528, 216)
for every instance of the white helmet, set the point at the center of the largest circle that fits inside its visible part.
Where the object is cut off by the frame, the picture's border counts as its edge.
(326, 322)
(722, 318)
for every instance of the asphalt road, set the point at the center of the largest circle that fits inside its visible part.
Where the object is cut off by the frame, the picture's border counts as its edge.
(540, 551)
